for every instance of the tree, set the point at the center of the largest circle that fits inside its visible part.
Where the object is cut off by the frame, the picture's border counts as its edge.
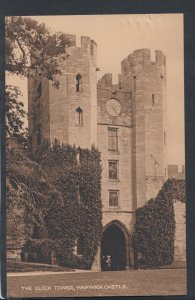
(15, 113)
(32, 46)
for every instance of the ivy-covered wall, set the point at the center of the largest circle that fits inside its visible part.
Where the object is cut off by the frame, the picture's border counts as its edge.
(154, 232)
(65, 194)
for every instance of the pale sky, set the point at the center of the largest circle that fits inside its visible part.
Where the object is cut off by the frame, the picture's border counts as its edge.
(119, 35)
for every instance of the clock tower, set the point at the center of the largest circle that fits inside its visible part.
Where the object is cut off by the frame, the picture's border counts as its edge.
(132, 134)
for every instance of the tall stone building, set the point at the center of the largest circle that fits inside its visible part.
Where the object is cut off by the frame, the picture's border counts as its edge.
(126, 121)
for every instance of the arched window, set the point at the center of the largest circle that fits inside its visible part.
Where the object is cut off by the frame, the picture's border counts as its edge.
(79, 116)
(78, 83)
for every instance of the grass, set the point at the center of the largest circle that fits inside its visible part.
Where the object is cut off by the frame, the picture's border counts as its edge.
(30, 267)
(161, 282)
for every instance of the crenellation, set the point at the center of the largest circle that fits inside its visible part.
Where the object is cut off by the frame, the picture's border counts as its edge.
(159, 57)
(93, 51)
(71, 40)
(85, 42)
(124, 67)
(141, 56)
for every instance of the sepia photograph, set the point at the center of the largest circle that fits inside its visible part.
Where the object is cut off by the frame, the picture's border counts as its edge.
(95, 155)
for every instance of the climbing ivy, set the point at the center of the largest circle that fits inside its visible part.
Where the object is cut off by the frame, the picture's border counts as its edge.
(154, 232)
(76, 174)
(29, 196)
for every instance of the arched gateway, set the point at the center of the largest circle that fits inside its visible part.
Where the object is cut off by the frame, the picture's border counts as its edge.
(115, 247)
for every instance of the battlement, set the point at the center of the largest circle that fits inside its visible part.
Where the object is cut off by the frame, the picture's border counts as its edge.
(86, 44)
(173, 172)
(71, 40)
(142, 57)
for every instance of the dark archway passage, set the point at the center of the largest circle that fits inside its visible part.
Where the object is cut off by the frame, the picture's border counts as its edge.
(114, 245)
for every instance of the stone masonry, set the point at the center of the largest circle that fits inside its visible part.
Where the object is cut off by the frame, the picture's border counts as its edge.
(180, 232)
(126, 121)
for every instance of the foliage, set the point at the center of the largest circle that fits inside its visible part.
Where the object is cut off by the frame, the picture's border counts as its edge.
(32, 46)
(14, 112)
(76, 173)
(153, 237)
(175, 189)
(58, 190)
(29, 196)
(30, 49)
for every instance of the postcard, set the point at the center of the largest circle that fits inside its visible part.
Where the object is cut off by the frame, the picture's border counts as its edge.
(95, 162)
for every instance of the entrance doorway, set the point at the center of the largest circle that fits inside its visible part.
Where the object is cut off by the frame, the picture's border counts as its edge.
(114, 247)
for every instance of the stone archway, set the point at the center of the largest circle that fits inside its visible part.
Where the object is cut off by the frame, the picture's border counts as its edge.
(115, 243)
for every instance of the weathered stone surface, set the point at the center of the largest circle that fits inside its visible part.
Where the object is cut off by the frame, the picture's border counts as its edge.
(180, 232)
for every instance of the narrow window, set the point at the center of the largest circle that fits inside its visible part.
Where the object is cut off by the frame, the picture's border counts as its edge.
(79, 116)
(39, 89)
(38, 134)
(134, 83)
(112, 139)
(153, 100)
(113, 169)
(165, 138)
(113, 198)
(80, 246)
(78, 82)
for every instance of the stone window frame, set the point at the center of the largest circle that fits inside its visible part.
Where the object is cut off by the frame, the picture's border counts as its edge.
(112, 129)
(113, 178)
(79, 83)
(79, 116)
(116, 192)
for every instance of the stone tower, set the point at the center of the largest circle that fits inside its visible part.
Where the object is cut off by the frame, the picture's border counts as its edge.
(146, 81)
(69, 113)
(132, 141)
